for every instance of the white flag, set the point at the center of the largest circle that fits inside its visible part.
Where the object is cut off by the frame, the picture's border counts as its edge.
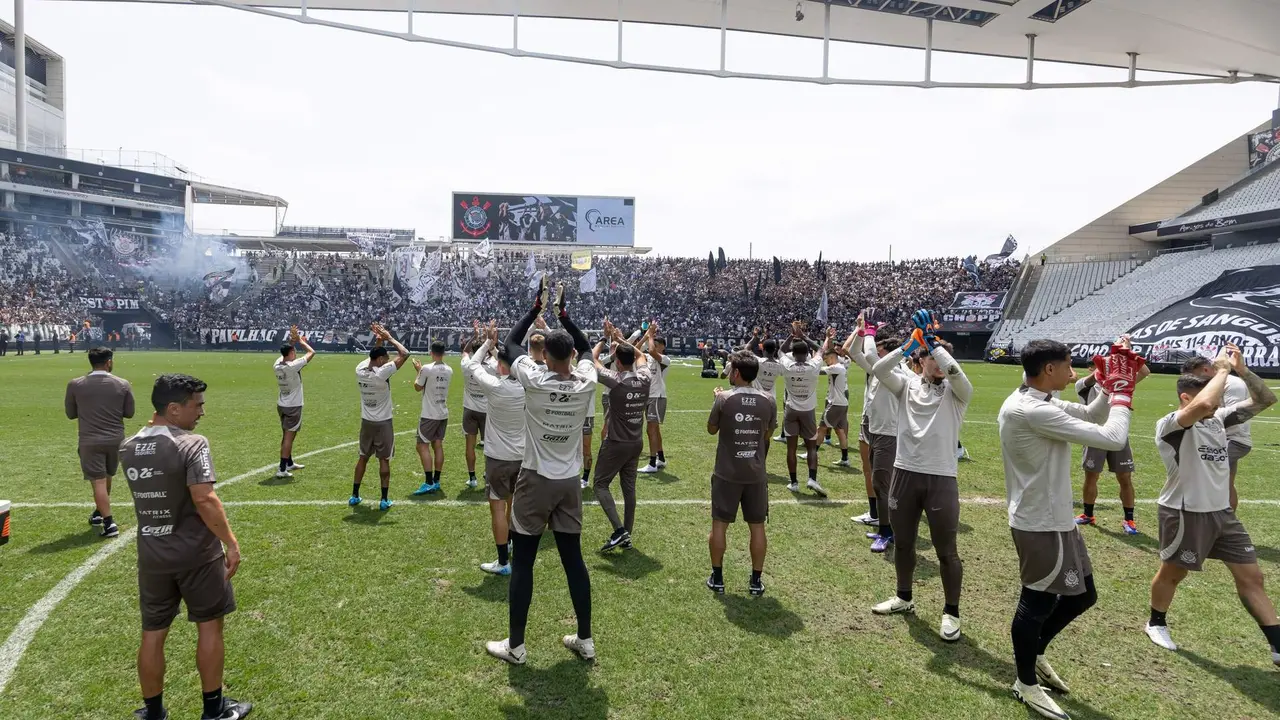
(822, 307)
(484, 252)
(530, 268)
(536, 281)
(587, 284)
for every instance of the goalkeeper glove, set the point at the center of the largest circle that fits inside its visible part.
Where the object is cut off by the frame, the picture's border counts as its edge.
(1119, 372)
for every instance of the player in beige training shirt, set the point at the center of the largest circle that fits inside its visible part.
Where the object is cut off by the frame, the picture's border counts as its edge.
(101, 402)
(288, 370)
(377, 436)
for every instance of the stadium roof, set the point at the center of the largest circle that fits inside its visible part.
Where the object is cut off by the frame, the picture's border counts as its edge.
(1251, 203)
(218, 195)
(1218, 41)
(7, 31)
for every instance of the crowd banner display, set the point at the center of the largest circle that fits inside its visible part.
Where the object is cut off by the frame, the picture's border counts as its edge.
(974, 312)
(583, 220)
(110, 304)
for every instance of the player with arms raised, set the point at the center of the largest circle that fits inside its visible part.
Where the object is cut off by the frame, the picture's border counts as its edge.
(656, 414)
(288, 369)
(801, 372)
(627, 389)
(377, 435)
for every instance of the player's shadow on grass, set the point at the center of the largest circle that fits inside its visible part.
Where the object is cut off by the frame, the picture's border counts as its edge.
(492, 589)
(273, 481)
(760, 615)
(1267, 554)
(661, 476)
(1140, 541)
(631, 564)
(777, 479)
(70, 541)
(965, 655)
(561, 691)
(1256, 683)
(367, 516)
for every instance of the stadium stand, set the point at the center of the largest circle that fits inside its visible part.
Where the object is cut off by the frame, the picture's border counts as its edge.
(1258, 193)
(1060, 286)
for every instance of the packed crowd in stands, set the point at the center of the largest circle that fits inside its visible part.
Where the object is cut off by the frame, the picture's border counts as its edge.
(348, 291)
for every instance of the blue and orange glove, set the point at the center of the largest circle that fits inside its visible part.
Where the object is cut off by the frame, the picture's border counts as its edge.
(925, 323)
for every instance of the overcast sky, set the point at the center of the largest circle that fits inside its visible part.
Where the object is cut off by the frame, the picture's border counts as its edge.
(359, 130)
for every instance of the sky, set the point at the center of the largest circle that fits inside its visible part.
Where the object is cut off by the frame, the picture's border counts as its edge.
(358, 130)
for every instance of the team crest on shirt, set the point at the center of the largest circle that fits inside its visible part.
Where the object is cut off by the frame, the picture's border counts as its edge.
(1188, 557)
(1071, 578)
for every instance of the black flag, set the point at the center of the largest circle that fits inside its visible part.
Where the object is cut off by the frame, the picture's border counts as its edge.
(822, 271)
(746, 292)
(711, 264)
(759, 282)
(777, 271)
(721, 263)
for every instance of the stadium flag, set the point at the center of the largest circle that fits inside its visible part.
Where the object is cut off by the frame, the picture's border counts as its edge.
(125, 244)
(530, 267)
(970, 265)
(587, 284)
(581, 260)
(1006, 252)
(485, 250)
(434, 261)
(536, 280)
(91, 231)
(822, 308)
(777, 271)
(721, 262)
(759, 283)
(746, 291)
(711, 265)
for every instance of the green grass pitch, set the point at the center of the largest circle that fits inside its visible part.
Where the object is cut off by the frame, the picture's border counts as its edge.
(360, 614)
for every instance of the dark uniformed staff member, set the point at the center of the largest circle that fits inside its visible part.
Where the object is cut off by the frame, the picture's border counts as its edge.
(1194, 508)
(182, 531)
(744, 418)
(1037, 431)
(627, 394)
(4, 341)
(101, 402)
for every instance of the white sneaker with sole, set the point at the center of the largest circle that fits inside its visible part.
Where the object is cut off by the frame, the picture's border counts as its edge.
(585, 649)
(1034, 697)
(794, 487)
(1159, 635)
(502, 650)
(662, 464)
(865, 519)
(1045, 672)
(802, 456)
(648, 469)
(1275, 656)
(496, 568)
(950, 628)
(283, 474)
(816, 488)
(894, 606)
(295, 466)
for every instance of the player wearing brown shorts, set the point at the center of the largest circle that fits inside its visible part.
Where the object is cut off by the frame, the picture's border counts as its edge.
(628, 391)
(100, 402)
(377, 436)
(288, 371)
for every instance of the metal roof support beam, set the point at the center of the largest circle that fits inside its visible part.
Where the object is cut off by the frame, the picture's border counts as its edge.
(826, 40)
(928, 50)
(20, 73)
(1031, 58)
(410, 18)
(619, 31)
(303, 7)
(515, 25)
(1133, 67)
(724, 29)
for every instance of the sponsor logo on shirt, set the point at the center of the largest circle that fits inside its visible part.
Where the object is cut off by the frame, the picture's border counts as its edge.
(155, 530)
(745, 454)
(748, 402)
(135, 474)
(156, 495)
(555, 438)
(1210, 453)
(144, 449)
(741, 417)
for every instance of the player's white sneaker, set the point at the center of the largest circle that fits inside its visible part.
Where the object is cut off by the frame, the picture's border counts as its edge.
(472, 484)
(283, 474)
(496, 568)
(662, 464)
(802, 456)
(586, 649)
(841, 463)
(1034, 697)
(894, 606)
(1275, 656)
(648, 469)
(794, 486)
(586, 484)
(1045, 672)
(950, 629)
(295, 466)
(816, 488)
(1159, 635)
(502, 650)
(865, 519)
(962, 453)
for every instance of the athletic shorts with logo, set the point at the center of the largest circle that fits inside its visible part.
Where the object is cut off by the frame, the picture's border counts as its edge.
(656, 411)
(727, 497)
(431, 430)
(836, 417)
(99, 461)
(500, 477)
(205, 589)
(472, 421)
(539, 501)
(290, 418)
(1188, 538)
(799, 423)
(1053, 562)
(1118, 461)
(377, 438)
(1236, 452)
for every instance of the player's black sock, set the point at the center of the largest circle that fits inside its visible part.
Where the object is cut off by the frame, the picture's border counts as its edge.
(755, 576)
(284, 464)
(886, 531)
(905, 595)
(793, 478)
(435, 477)
(1034, 608)
(472, 476)
(871, 502)
(653, 461)
(502, 554)
(355, 490)
(290, 459)
(952, 610)
(107, 521)
(1273, 636)
(844, 454)
(586, 475)
(155, 706)
(213, 703)
(96, 514)
(1158, 618)
(1128, 514)
(813, 474)
(661, 456)
(1088, 509)
(717, 575)
(384, 492)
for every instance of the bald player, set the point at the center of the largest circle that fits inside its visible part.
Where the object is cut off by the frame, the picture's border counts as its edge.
(100, 402)
(377, 435)
(288, 370)
(627, 388)
(1239, 436)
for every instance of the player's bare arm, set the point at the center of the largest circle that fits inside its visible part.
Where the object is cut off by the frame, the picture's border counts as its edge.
(1206, 402)
(417, 369)
(209, 506)
(297, 338)
(403, 353)
(1261, 397)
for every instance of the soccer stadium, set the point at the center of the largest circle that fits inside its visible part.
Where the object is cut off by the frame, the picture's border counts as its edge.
(300, 579)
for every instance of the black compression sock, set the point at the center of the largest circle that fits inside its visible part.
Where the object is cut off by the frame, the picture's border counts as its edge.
(1158, 618)
(844, 454)
(107, 521)
(716, 574)
(284, 464)
(905, 595)
(661, 456)
(793, 477)
(155, 706)
(813, 474)
(653, 461)
(586, 475)
(871, 502)
(1128, 514)
(952, 610)
(755, 575)
(502, 554)
(471, 475)
(1088, 509)
(213, 703)
(384, 492)
(355, 490)
(1273, 636)
(435, 477)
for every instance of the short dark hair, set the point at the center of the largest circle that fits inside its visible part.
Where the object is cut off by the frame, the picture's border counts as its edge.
(285, 350)
(437, 347)
(100, 356)
(504, 355)
(1194, 364)
(746, 364)
(625, 355)
(471, 346)
(888, 342)
(799, 347)
(174, 388)
(377, 352)
(660, 339)
(1191, 384)
(770, 346)
(1038, 353)
(559, 345)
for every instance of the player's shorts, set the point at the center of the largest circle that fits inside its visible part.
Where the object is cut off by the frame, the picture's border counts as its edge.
(290, 418)
(864, 433)
(799, 423)
(615, 457)
(726, 497)
(473, 421)
(1235, 452)
(589, 425)
(656, 411)
(884, 451)
(500, 477)
(431, 430)
(1118, 461)
(1187, 538)
(836, 417)
(377, 438)
(1054, 562)
(99, 461)
(539, 501)
(604, 404)
(206, 591)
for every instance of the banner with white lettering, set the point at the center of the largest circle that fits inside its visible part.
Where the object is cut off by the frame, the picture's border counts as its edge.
(110, 304)
(583, 220)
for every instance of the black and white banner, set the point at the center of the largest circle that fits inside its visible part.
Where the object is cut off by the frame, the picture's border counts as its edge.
(978, 301)
(974, 312)
(1240, 307)
(110, 304)
(584, 220)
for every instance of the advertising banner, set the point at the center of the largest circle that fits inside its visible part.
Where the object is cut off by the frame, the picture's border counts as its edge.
(585, 220)
(109, 304)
